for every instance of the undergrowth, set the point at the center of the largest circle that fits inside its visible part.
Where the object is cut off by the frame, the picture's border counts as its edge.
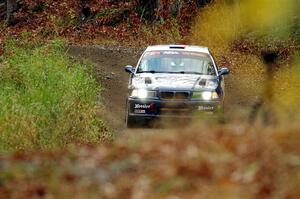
(46, 99)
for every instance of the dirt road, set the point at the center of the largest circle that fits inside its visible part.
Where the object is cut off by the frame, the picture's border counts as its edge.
(109, 72)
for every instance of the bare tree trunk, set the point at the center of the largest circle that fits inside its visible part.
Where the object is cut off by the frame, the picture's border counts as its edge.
(161, 7)
(175, 7)
(11, 5)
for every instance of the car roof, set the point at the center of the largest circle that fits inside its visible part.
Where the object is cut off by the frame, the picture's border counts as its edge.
(192, 48)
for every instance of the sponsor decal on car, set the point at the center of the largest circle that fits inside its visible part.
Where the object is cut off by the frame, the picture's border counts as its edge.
(152, 53)
(195, 54)
(141, 106)
(170, 53)
(205, 108)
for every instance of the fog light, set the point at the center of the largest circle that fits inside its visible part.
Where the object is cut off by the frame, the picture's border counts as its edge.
(214, 95)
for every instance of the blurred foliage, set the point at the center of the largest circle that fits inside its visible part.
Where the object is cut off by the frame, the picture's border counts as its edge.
(240, 32)
(287, 98)
(263, 21)
(216, 162)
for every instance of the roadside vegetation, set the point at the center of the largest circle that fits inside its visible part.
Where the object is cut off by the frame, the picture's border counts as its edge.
(47, 100)
(245, 35)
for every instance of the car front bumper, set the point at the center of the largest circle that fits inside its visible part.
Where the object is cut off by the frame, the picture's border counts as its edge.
(155, 108)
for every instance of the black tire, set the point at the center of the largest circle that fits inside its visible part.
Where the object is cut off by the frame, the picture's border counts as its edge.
(130, 121)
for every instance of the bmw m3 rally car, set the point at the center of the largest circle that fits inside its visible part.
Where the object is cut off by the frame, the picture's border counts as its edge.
(174, 81)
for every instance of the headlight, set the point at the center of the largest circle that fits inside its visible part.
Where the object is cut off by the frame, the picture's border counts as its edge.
(143, 93)
(211, 84)
(205, 95)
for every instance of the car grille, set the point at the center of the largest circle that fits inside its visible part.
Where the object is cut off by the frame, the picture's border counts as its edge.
(174, 95)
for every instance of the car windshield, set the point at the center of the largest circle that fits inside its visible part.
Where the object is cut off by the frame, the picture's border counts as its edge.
(176, 62)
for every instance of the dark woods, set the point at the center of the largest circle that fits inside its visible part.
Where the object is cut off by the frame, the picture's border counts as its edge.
(9, 6)
(146, 10)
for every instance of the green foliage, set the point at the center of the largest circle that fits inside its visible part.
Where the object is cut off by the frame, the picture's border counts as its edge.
(46, 99)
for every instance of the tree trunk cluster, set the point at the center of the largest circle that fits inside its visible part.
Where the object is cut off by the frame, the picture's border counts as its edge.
(11, 6)
(155, 9)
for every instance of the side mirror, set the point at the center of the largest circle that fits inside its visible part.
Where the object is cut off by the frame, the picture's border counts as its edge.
(129, 69)
(224, 71)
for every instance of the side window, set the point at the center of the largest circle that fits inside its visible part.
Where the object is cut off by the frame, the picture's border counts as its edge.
(210, 68)
(144, 65)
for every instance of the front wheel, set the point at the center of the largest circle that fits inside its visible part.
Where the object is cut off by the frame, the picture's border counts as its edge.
(130, 121)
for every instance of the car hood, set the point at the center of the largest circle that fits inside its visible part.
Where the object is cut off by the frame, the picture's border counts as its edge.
(174, 81)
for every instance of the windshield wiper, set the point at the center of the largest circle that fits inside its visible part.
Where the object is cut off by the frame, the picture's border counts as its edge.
(173, 72)
(189, 72)
(148, 71)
